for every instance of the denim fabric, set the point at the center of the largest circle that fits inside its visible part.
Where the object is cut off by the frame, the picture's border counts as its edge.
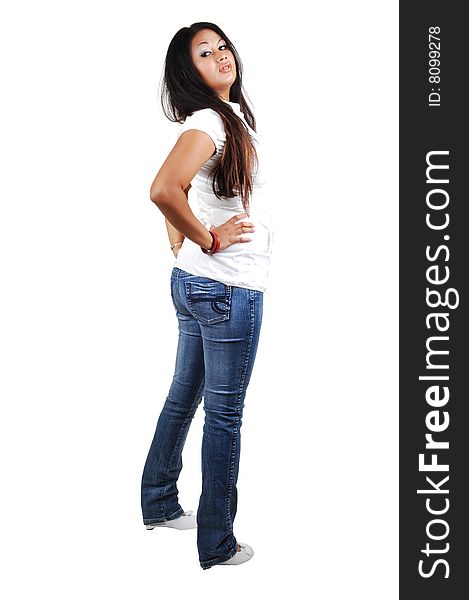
(219, 327)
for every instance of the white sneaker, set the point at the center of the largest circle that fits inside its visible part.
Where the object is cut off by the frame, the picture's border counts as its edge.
(241, 556)
(185, 521)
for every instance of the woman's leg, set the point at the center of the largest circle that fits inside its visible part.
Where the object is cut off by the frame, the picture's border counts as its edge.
(230, 320)
(159, 493)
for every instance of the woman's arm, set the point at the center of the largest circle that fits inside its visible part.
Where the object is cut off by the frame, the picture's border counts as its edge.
(190, 152)
(174, 235)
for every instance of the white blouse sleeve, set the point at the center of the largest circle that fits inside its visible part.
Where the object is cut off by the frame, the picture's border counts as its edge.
(209, 121)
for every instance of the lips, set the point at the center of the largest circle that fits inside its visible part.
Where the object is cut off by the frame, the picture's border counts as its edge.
(224, 69)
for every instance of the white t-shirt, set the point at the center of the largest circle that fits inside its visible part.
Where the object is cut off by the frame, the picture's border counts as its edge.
(243, 264)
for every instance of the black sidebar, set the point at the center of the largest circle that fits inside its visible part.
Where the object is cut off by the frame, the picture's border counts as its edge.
(433, 262)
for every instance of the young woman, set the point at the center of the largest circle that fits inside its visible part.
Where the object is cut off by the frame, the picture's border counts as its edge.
(222, 240)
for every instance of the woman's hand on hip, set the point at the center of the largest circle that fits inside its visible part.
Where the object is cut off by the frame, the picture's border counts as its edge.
(232, 231)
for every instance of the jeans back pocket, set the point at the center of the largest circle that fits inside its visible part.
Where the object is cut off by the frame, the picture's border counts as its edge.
(208, 300)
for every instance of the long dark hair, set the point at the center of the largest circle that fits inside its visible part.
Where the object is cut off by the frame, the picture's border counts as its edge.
(184, 92)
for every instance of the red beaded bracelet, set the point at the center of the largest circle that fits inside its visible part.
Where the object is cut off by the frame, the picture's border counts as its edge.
(215, 244)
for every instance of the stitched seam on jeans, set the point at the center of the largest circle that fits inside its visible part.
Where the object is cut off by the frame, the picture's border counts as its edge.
(238, 403)
(234, 441)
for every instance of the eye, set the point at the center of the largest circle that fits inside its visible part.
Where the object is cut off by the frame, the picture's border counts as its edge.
(204, 53)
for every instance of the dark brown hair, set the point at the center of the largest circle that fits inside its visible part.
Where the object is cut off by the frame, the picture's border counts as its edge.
(184, 92)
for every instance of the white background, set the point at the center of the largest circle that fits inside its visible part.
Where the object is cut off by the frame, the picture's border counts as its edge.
(89, 334)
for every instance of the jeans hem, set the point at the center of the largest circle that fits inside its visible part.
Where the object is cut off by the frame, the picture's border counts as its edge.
(171, 517)
(206, 564)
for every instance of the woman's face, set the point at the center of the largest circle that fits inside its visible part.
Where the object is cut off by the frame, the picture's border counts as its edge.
(209, 53)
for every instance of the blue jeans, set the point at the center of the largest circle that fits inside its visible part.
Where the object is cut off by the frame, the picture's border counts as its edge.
(219, 327)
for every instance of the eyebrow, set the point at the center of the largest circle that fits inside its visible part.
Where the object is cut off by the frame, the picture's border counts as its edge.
(207, 42)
